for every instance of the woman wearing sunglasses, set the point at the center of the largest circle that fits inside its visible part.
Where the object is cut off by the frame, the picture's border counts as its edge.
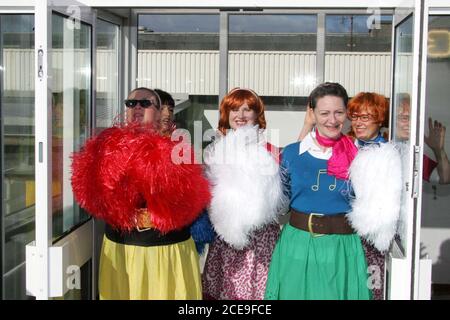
(126, 176)
(142, 105)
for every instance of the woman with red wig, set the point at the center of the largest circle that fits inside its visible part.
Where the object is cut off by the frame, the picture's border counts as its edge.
(126, 176)
(247, 197)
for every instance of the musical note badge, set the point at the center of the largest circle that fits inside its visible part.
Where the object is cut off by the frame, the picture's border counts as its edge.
(315, 187)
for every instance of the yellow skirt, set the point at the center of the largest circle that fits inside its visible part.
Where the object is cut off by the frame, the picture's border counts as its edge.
(169, 272)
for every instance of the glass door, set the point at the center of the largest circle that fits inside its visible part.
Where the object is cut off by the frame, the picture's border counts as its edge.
(17, 147)
(59, 260)
(435, 195)
(404, 266)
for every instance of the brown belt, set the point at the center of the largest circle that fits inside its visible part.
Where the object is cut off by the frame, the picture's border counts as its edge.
(318, 224)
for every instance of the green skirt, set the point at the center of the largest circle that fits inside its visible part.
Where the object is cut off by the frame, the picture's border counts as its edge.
(330, 267)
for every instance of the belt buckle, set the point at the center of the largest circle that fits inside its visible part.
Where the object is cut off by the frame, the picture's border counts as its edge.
(142, 229)
(142, 220)
(310, 228)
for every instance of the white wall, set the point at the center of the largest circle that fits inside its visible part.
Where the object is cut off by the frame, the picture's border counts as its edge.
(269, 73)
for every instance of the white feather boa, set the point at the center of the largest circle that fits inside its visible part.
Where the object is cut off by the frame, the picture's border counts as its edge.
(376, 178)
(247, 191)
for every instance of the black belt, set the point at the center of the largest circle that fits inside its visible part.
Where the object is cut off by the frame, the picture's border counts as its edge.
(148, 238)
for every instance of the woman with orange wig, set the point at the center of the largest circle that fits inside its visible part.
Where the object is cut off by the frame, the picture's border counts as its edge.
(247, 196)
(368, 112)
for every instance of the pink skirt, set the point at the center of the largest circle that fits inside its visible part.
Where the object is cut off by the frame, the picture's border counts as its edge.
(231, 274)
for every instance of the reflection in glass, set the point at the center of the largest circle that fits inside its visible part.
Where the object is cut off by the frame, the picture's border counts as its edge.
(107, 96)
(359, 33)
(179, 53)
(275, 55)
(435, 231)
(71, 96)
(178, 32)
(358, 52)
(280, 32)
(17, 152)
(403, 117)
(402, 112)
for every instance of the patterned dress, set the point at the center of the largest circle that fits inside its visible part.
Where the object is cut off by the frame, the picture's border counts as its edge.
(232, 274)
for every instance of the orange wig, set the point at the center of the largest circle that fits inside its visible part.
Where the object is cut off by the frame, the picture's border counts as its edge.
(236, 98)
(372, 103)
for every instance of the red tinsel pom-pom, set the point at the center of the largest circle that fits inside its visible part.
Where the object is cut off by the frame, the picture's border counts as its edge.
(126, 168)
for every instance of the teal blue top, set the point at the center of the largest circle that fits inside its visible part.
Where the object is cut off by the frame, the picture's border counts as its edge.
(309, 186)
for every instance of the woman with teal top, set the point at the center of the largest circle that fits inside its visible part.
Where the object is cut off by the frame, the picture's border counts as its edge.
(318, 255)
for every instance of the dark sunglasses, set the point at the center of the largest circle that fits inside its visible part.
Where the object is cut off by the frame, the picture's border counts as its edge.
(145, 103)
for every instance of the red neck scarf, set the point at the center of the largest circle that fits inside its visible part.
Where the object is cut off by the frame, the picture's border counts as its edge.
(343, 153)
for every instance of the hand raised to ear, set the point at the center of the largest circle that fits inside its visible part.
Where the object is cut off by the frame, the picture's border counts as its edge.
(308, 123)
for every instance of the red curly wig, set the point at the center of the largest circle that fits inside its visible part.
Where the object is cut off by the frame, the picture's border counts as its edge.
(372, 103)
(236, 98)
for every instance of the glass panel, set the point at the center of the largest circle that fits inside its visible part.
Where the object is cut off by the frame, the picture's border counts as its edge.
(71, 84)
(403, 60)
(179, 53)
(358, 52)
(435, 232)
(17, 152)
(107, 95)
(273, 32)
(275, 55)
(178, 32)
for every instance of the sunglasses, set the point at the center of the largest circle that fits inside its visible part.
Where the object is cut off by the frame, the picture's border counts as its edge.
(145, 103)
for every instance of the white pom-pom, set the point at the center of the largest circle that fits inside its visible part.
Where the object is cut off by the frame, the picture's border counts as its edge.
(247, 192)
(375, 175)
